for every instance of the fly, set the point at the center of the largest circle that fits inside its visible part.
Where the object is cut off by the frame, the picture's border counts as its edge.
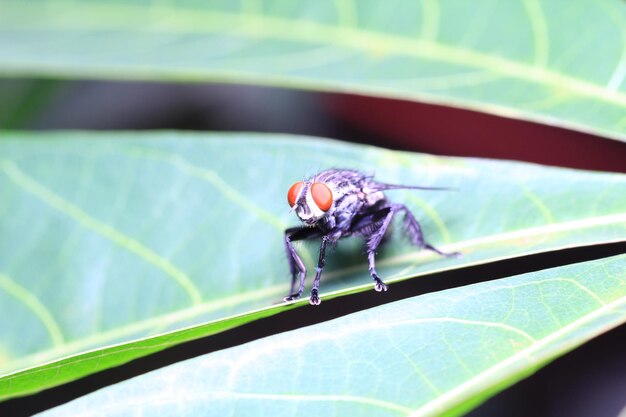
(339, 203)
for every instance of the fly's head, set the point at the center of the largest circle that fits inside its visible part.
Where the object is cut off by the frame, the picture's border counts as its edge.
(310, 200)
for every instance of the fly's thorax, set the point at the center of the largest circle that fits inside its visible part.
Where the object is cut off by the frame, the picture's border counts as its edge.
(372, 198)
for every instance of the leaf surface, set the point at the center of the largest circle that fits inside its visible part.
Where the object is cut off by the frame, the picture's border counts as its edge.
(434, 355)
(558, 62)
(136, 235)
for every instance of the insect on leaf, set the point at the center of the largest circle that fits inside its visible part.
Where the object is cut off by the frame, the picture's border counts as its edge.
(137, 235)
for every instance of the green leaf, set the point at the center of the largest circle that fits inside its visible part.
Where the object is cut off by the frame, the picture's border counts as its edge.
(558, 62)
(22, 100)
(434, 355)
(133, 235)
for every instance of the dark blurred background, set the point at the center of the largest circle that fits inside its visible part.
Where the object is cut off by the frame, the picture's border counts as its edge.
(396, 124)
(589, 382)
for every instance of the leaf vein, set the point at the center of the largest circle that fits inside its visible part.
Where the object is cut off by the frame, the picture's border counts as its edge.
(538, 202)
(540, 31)
(222, 186)
(32, 302)
(463, 390)
(84, 219)
(319, 397)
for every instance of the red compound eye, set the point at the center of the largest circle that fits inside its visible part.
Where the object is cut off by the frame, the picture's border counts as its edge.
(293, 193)
(322, 196)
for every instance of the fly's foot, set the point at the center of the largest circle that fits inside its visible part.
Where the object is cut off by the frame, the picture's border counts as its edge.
(293, 297)
(379, 285)
(444, 254)
(315, 299)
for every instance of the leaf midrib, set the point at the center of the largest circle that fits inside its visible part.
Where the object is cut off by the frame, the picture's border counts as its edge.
(164, 18)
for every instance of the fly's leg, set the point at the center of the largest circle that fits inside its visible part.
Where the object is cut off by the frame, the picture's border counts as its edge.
(414, 231)
(373, 227)
(315, 299)
(379, 285)
(374, 238)
(296, 266)
(293, 268)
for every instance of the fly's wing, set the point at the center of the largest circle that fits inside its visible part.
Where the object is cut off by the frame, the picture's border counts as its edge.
(378, 186)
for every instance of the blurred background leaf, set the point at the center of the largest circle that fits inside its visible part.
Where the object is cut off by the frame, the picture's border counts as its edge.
(559, 62)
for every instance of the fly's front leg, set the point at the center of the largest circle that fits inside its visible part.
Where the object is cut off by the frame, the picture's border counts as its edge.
(296, 266)
(293, 267)
(315, 299)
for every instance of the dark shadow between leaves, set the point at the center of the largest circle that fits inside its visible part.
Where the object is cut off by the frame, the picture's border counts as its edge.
(301, 317)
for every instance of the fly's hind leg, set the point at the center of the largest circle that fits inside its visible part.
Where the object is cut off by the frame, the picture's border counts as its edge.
(414, 232)
(373, 226)
(379, 285)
